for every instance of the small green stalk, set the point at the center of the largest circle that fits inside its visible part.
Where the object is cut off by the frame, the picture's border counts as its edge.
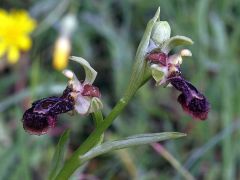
(139, 77)
(73, 163)
(140, 67)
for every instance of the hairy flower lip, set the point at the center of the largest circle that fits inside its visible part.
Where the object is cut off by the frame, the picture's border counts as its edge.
(37, 123)
(53, 105)
(191, 100)
(197, 108)
(43, 114)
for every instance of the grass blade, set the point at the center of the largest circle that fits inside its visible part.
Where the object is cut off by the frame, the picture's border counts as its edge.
(59, 154)
(129, 142)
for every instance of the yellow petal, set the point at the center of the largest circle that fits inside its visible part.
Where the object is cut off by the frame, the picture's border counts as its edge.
(2, 49)
(3, 13)
(24, 42)
(13, 55)
(61, 53)
(27, 23)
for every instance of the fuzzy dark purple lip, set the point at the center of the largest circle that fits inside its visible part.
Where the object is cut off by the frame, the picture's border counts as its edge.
(43, 113)
(192, 101)
(36, 123)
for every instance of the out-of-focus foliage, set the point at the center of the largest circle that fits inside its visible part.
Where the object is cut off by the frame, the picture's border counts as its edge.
(107, 34)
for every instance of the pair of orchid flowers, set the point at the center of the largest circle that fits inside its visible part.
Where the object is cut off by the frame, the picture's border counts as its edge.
(84, 98)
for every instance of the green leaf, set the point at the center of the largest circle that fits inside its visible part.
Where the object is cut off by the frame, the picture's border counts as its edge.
(175, 41)
(90, 73)
(129, 142)
(58, 156)
(140, 64)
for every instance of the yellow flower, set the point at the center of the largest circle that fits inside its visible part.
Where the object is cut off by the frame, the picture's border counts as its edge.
(62, 47)
(61, 53)
(15, 27)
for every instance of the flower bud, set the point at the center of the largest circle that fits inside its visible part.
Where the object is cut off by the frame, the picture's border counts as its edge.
(61, 53)
(62, 47)
(161, 32)
(96, 104)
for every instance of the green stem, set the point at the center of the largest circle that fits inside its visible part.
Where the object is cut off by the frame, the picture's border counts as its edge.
(74, 162)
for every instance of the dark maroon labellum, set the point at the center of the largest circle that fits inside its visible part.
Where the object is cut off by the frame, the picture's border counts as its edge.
(90, 90)
(198, 108)
(192, 101)
(158, 58)
(43, 113)
(52, 106)
(36, 123)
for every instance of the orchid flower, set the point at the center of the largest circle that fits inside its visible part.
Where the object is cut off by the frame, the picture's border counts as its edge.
(84, 98)
(165, 69)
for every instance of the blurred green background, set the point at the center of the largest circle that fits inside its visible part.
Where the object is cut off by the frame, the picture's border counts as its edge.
(107, 35)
